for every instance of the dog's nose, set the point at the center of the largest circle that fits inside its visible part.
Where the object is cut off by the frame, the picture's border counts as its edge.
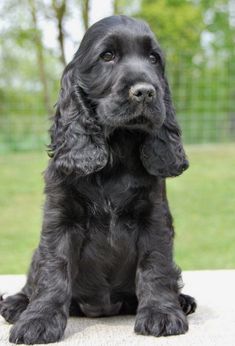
(142, 92)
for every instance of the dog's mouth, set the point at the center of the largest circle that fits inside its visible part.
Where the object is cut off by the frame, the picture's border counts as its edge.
(139, 123)
(140, 120)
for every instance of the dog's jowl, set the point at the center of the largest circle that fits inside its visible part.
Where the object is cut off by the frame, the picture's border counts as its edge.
(106, 245)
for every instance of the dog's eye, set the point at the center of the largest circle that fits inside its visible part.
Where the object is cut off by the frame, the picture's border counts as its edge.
(107, 56)
(153, 59)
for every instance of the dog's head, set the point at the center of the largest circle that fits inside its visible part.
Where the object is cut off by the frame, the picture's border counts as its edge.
(116, 79)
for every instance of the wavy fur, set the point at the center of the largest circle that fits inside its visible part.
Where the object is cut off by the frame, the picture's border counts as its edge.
(106, 244)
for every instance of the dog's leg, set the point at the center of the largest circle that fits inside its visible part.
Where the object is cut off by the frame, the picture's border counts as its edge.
(159, 312)
(158, 280)
(45, 318)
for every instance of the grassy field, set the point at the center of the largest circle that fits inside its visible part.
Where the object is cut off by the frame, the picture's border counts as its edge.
(202, 202)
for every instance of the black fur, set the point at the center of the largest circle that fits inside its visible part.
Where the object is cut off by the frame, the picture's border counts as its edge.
(107, 235)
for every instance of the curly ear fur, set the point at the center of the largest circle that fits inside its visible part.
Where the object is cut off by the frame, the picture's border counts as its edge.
(162, 154)
(77, 143)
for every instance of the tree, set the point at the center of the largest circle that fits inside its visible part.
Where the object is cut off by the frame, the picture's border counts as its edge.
(40, 55)
(124, 6)
(85, 7)
(116, 7)
(220, 23)
(59, 8)
(177, 25)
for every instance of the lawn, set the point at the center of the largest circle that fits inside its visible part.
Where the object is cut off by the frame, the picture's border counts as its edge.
(202, 202)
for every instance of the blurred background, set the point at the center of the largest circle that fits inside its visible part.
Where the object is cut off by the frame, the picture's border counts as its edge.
(39, 37)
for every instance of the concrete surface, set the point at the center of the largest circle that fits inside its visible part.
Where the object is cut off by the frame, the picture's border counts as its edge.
(213, 324)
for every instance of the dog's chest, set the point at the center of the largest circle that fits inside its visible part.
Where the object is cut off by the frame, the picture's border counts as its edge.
(119, 208)
(106, 213)
(116, 208)
(111, 231)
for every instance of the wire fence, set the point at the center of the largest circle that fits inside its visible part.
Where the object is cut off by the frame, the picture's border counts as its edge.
(204, 97)
(203, 93)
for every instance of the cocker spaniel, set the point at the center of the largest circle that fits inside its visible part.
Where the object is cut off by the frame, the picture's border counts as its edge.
(107, 235)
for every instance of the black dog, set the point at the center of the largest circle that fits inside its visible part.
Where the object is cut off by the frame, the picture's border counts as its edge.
(106, 241)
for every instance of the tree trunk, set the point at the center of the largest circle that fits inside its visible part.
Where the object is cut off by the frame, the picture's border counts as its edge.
(116, 7)
(40, 56)
(85, 4)
(59, 8)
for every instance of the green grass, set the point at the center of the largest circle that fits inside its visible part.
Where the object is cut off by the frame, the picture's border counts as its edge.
(202, 202)
(21, 201)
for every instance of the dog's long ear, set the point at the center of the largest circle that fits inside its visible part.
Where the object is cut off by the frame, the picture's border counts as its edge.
(77, 141)
(162, 153)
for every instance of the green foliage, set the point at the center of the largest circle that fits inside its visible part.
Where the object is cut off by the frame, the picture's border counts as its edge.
(23, 116)
(177, 24)
(21, 91)
(218, 19)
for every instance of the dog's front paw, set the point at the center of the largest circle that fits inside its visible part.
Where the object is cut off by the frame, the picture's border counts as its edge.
(151, 321)
(12, 307)
(37, 330)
